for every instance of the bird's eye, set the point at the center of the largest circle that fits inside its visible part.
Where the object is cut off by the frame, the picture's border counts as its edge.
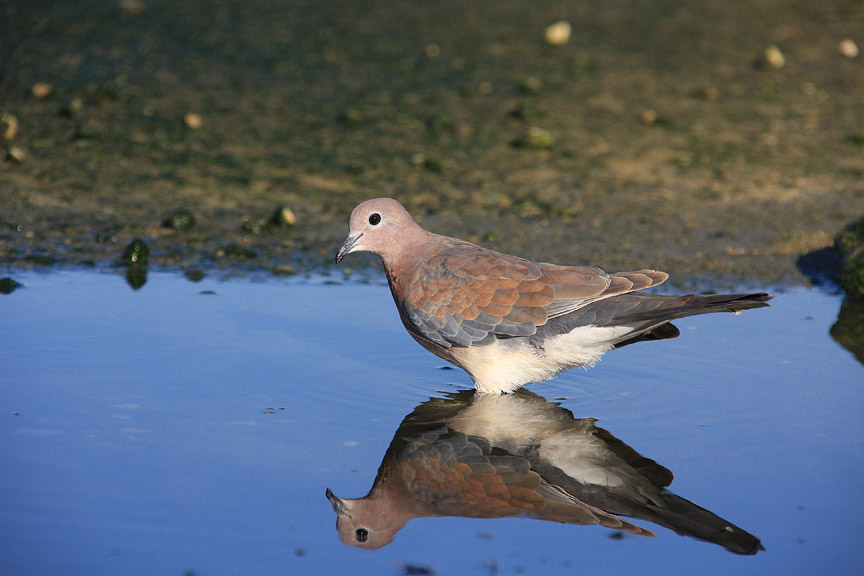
(361, 533)
(374, 219)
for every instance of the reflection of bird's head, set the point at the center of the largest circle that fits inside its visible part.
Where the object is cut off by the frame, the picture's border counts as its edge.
(365, 522)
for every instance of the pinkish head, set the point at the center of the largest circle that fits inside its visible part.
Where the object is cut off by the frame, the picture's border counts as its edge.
(379, 226)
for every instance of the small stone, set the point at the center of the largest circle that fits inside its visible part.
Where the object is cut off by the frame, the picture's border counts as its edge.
(848, 48)
(136, 254)
(255, 226)
(41, 90)
(8, 285)
(72, 108)
(131, 7)
(774, 58)
(531, 85)
(193, 121)
(180, 219)
(283, 217)
(708, 93)
(558, 34)
(8, 126)
(648, 117)
(537, 139)
(15, 154)
(351, 118)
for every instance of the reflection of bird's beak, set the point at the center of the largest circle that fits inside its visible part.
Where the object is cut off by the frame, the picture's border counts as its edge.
(337, 503)
(347, 246)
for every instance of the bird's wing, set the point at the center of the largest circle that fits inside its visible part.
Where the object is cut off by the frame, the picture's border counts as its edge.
(569, 284)
(467, 295)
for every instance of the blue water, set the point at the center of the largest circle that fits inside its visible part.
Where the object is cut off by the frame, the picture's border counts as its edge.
(194, 427)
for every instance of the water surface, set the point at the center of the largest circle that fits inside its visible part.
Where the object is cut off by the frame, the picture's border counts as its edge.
(196, 426)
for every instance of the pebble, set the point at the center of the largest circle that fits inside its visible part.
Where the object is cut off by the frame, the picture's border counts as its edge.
(648, 117)
(707, 93)
(255, 226)
(848, 48)
(193, 121)
(283, 217)
(180, 219)
(774, 58)
(531, 85)
(15, 154)
(131, 7)
(72, 107)
(537, 138)
(9, 126)
(41, 90)
(136, 254)
(558, 34)
(8, 285)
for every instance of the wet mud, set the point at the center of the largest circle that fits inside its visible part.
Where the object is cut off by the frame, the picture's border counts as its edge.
(718, 142)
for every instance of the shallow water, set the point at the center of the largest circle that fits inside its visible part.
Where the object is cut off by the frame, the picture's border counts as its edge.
(195, 427)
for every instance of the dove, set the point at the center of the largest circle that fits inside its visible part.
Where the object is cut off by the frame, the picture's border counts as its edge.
(508, 321)
(495, 456)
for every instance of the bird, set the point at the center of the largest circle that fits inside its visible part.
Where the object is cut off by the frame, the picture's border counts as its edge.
(509, 321)
(503, 455)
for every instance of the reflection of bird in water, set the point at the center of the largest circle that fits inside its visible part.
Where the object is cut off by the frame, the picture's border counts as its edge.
(490, 456)
(508, 321)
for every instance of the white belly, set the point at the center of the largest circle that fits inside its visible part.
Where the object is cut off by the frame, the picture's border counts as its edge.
(508, 364)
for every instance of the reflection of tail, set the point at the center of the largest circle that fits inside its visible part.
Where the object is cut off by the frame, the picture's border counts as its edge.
(648, 499)
(688, 519)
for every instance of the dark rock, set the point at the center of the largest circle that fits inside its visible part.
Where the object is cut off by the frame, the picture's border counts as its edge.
(136, 276)
(848, 331)
(255, 226)
(136, 254)
(72, 108)
(850, 244)
(8, 285)
(180, 219)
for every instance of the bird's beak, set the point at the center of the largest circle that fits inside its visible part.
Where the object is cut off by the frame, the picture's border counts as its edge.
(337, 503)
(347, 246)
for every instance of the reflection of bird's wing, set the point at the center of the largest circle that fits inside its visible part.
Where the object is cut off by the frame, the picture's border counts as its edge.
(461, 475)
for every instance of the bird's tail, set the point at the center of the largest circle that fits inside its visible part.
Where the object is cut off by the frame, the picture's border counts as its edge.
(651, 314)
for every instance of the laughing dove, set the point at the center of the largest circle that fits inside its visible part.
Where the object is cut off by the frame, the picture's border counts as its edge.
(508, 321)
(496, 456)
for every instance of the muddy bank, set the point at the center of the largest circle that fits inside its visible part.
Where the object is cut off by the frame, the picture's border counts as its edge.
(672, 137)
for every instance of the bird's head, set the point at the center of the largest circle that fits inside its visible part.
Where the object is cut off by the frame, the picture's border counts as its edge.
(381, 226)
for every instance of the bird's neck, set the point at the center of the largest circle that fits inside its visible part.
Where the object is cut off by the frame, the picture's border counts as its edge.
(401, 268)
